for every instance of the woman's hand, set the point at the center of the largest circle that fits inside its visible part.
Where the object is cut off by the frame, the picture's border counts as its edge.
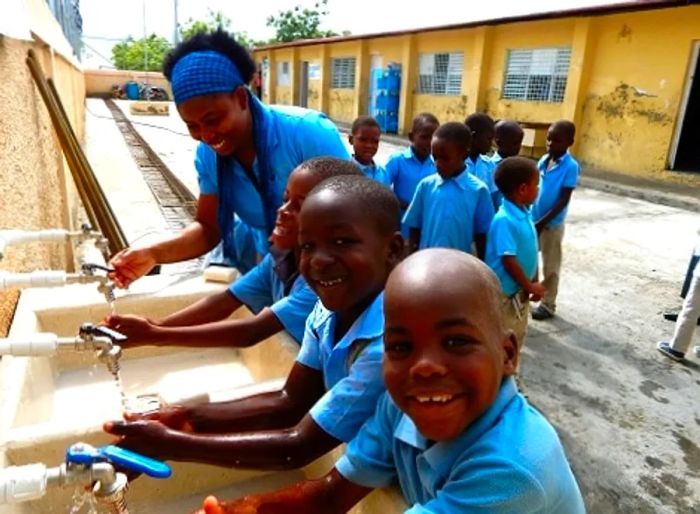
(131, 264)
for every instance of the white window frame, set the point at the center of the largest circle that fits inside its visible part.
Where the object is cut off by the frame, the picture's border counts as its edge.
(536, 74)
(343, 72)
(440, 73)
(283, 73)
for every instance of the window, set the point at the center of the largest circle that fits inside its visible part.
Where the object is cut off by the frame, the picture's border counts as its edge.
(440, 74)
(537, 74)
(283, 73)
(343, 73)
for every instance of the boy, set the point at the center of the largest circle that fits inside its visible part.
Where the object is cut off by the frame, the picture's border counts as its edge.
(509, 140)
(452, 427)
(349, 242)
(559, 175)
(408, 167)
(364, 138)
(511, 245)
(451, 208)
(479, 163)
(274, 290)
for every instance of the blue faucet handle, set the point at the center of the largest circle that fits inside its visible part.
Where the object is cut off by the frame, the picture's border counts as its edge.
(85, 454)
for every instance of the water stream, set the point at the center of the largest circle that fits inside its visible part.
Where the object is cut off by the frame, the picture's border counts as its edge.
(83, 502)
(120, 388)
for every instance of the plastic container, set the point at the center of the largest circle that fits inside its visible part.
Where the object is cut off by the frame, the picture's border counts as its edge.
(132, 90)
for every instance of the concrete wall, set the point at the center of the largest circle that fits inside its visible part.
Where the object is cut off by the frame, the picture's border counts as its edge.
(35, 184)
(624, 87)
(99, 82)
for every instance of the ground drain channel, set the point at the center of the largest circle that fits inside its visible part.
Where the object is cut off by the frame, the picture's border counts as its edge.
(176, 202)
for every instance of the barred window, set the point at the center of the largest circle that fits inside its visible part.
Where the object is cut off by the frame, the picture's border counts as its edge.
(440, 74)
(343, 73)
(283, 78)
(537, 74)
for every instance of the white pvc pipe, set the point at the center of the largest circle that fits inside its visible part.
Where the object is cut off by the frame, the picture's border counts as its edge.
(32, 345)
(48, 278)
(22, 483)
(13, 237)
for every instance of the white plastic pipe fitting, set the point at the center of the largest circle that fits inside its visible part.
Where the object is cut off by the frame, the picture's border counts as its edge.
(22, 483)
(33, 345)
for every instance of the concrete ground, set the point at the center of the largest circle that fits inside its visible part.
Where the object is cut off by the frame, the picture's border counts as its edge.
(629, 418)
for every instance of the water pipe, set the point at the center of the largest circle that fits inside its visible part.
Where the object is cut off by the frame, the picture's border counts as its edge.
(84, 466)
(91, 337)
(10, 237)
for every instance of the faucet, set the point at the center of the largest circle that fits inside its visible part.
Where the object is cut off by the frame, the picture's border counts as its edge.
(85, 465)
(11, 237)
(90, 337)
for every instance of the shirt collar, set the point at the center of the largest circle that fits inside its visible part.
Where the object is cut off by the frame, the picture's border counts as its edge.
(285, 265)
(462, 180)
(409, 154)
(515, 210)
(369, 325)
(441, 456)
(563, 159)
(371, 166)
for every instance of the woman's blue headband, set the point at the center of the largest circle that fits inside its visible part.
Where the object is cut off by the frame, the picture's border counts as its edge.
(204, 73)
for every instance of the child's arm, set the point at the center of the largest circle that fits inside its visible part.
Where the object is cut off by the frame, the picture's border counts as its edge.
(480, 243)
(413, 239)
(483, 215)
(331, 494)
(510, 263)
(214, 307)
(273, 430)
(563, 201)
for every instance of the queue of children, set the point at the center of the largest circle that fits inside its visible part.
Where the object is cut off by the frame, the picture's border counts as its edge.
(411, 363)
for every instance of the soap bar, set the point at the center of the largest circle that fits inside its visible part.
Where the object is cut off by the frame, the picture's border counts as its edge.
(220, 274)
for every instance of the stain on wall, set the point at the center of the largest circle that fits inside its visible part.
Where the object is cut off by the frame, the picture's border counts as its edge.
(283, 95)
(341, 105)
(314, 95)
(446, 108)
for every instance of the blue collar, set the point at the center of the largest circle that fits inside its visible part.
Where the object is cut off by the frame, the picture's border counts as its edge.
(515, 210)
(462, 180)
(369, 325)
(562, 160)
(442, 455)
(408, 154)
(372, 165)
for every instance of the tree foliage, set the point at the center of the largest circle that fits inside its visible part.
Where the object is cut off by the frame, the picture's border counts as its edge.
(299, 23)
(145, 54)
(214, 21)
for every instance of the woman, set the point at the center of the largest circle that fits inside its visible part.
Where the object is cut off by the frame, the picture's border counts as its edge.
(246, 152)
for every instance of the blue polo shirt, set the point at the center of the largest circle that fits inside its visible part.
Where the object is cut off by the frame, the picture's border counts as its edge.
(405, 171)
(450, 212)
(482, 169)
(509, 460)
(564, 174)
(265, 286)
(373, 171)
(496, 159)
(352, 368)
(512, 233)
(293, 136)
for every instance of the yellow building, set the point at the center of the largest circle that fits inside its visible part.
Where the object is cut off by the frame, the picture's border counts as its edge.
(623, 73)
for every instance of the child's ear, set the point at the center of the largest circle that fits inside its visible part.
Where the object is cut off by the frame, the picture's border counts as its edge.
(510, 353)
(350, 138)
(396, 249)
(410, 136)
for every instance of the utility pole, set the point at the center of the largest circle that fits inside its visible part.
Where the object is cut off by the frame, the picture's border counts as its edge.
(176, 28)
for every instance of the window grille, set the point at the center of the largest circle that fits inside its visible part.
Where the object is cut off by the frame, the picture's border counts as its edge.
(343, 73)
(537, 74)
(440, 74)
(283, 73)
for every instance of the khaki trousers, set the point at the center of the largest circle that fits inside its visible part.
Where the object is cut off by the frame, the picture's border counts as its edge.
(550, 246)
(515, 316)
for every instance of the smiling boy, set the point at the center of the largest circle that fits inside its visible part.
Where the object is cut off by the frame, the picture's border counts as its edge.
(452, 427)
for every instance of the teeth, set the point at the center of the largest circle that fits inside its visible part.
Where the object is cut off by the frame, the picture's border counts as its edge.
(218, 146)
(328, 283)
(437, 399)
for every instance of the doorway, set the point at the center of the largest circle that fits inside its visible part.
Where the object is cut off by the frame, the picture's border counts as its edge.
(304, 84)
(685, 154)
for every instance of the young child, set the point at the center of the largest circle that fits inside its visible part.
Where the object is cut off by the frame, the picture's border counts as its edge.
(349, 242)
(452, 427)
(274, 290)
(479, 162)
(559, 175)
(408, 167)
(451, 208)
(509, 140)
(364, 138)
(511, 245)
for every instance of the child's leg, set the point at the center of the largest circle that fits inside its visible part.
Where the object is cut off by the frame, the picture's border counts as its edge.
(550, 246)
(515, 315)
(688, 316)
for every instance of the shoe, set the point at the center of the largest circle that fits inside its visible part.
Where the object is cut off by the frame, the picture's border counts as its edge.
(669, 352)
(541, 312)
(673, 316)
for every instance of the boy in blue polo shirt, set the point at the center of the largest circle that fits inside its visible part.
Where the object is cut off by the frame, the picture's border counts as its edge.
(274, 290)
(451, 208)
(508, 138)
(511, 246)
(452, 427)
(408, 167)
(364, 139)
(349, 242)
(479, 162)
(559, 175)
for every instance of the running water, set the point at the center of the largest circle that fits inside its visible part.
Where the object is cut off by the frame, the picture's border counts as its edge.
(112, 308)
(122, 393)
(83, 502)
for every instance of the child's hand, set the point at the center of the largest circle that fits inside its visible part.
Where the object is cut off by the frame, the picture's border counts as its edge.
(149, 438)
(536, 291)
(131, 264)
(539, 226)
(247, 505)
(138, 329)
(175, 417)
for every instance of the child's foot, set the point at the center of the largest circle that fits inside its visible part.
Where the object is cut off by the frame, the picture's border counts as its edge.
(541, 312)
(665, 349)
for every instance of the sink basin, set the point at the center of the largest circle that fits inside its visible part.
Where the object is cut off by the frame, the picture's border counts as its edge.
(49, 403)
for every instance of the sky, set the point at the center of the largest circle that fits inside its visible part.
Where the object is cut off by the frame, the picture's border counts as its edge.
(104, 24)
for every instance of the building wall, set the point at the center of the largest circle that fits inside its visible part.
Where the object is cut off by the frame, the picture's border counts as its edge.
(35, 184)
(100, 82)
(626, 78)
